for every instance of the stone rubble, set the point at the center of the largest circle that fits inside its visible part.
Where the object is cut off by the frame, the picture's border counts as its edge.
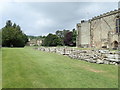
(92, 56)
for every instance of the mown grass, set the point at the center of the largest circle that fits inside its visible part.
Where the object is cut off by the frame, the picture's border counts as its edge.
(0, 68)
(28, 68)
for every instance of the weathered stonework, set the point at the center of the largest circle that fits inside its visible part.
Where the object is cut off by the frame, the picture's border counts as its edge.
(100, 31)
(92, 56)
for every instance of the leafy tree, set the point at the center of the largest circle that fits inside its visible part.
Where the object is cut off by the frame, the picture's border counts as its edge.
(68, 39)
(8, 24)
(52, 40)
(0, 37)
(12, 35)
(61, 34)
(14, 25)
(74, 35)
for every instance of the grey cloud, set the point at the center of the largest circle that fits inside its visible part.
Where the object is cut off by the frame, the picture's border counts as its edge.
(43, 18)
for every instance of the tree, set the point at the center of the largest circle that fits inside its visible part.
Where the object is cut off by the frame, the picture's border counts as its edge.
(12, 35)
(74, 35)
(52, 40)
(68, 39)
(0, 37)
(8, 24)
(61, 34)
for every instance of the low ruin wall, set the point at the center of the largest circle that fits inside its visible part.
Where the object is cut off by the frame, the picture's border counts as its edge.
(92, 56)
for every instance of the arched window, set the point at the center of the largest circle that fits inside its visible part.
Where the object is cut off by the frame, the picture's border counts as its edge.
(118, 25)
(115, 44)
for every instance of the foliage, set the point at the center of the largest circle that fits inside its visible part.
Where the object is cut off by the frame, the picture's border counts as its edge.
(52, 40)
(12, 35)
(62, 38)
(67, 37)
(61, 34)
(74, 35)
(0, 38)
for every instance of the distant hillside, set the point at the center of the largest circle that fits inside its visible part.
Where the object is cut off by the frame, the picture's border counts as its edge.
(36, 37)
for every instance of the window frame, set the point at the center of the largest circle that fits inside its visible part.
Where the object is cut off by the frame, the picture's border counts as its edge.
(117, 25)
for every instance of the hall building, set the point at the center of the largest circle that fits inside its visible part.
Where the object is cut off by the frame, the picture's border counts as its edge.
(100, 31)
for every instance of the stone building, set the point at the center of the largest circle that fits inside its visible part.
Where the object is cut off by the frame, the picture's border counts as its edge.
(35, 42)
(100, 32)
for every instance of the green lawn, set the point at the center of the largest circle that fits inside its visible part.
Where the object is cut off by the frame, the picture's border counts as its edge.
(0, 68)
(29, 68)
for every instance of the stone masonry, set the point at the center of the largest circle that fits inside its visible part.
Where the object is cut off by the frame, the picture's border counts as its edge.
(92, 56)
(100, 32)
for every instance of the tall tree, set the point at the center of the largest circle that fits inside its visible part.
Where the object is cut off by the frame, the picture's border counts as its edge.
(12, 35)
(74, 35)
(8, 23)
(68, 39)
(61, 34)
(0, 37)
(52, 40)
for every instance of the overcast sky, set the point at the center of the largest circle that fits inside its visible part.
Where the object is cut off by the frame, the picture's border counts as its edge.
(41, 18)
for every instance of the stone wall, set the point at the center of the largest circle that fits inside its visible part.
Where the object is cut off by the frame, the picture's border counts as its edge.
(99, 31)
(84, 34)
(92, 56)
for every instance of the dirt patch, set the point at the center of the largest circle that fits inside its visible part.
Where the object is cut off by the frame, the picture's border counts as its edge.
(89, 68)
(92, 70)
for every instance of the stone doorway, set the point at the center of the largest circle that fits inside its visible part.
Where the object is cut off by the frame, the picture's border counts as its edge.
(115, 45)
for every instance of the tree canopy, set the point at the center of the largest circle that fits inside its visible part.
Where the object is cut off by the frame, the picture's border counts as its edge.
(12, 35)
(52, 40)
(0, 37)
(67, 37)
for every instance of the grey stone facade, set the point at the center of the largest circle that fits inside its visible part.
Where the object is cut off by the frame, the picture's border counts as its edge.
(99, 32)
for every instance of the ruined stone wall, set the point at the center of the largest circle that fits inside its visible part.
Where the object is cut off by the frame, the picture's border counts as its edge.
(99, 31)
(114, 38)
(85, 34)
(100, 28)
(78, 39)
(92, 56)
(83, 38)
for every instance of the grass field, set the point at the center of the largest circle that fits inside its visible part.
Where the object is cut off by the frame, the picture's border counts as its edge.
(0, 68)
(29, 68)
